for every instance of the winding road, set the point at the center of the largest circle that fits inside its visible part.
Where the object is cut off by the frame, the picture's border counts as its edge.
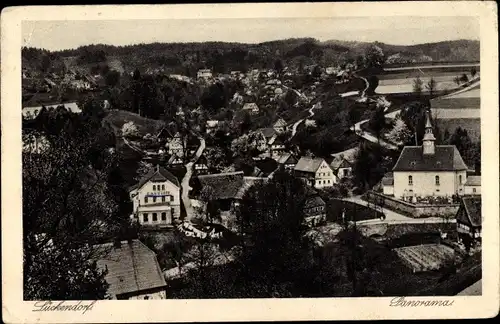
(187, 177)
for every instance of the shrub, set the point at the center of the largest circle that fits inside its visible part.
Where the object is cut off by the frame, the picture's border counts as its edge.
(130, 130)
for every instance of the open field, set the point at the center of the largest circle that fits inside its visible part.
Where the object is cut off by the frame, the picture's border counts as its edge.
(458, 113)
(425, 257)
(403, 85)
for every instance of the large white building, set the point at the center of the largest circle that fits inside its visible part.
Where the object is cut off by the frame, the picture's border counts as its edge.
(156, 198)
(428, 170)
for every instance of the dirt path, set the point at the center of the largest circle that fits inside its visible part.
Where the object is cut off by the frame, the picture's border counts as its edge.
(187, 177)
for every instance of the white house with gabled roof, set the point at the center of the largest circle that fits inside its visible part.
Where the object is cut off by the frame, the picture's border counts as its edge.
(429, 170)
(315, 171)
(156, 198)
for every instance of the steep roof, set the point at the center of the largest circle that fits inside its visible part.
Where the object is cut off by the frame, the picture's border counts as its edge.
(250, 105)
(287, 158)
(314, 201)
(157, 173)
(472, 207)
(131, 267)
(340, 163)
(308, 164)
(445, 158)
(280, 123)
(473, 181)
(267, 132)
(223, 185)
(248, 182)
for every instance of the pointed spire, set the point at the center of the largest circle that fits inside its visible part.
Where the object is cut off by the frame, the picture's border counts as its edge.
(428, 120)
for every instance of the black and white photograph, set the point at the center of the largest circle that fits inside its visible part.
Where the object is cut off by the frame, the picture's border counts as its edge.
(254, 158)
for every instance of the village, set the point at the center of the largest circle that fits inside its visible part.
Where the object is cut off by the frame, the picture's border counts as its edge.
(384, 170)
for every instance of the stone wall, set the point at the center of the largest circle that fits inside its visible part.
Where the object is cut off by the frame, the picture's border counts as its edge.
(409, 209)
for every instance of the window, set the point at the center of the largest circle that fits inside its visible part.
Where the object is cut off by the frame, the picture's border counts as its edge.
(163, 216)
(154, 199)
(437, 180)
(162, 198)
(146, 200)
(410, 180)
(437, 190)
(145, 217)
(328, 181)
(162, 187)
(154, 187)
(460, 179)
(155, 217)
(474, 190)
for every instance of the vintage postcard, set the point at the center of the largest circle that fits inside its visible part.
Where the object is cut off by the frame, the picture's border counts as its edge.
(249, 162)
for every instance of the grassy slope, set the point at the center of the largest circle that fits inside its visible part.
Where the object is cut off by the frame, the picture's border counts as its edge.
(145, 125)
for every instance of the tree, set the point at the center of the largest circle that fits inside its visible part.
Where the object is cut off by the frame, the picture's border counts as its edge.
(464, 78)
(370, 166)
(271, 219)
(378, 122)
(112, 78)
(278, 67)
(413, 114)
(431, 86)
(473, 71)
(129, 129)
(418, 86)
(400, 133)
(249, 145)
(457, 80)
(69, 206)
(374, 56)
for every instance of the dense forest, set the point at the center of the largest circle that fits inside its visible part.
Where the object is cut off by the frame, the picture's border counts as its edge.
(187, 58)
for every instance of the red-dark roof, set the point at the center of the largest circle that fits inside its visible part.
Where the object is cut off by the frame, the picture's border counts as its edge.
(157, 173)
(445, 158)
(223, 185)
(470, 211)
(132, 267)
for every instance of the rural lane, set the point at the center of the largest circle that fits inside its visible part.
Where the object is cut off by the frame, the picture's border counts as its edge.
(392, 217)
(187, 177)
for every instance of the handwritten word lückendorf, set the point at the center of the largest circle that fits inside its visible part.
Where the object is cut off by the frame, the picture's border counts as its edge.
(64, 306)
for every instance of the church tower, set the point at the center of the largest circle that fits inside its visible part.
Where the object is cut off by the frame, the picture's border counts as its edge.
(428, 141)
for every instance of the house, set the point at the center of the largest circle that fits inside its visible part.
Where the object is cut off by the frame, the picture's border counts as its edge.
(32, 112)
(341, 167)
(227, 189)
(314, 210)
(175, 161)
(473, 185)
(156, 198)
(276, 147)
(201, 165)
(288, 161)
(330, 70)
(133, 271)
(204, 74)
(280, 125)
(176, 145)
(469, 217)
(315, 171)
(251, 107)
(429, 170)
(211, 126)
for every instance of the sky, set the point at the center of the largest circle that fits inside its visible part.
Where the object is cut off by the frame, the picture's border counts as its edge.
(57, 35)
